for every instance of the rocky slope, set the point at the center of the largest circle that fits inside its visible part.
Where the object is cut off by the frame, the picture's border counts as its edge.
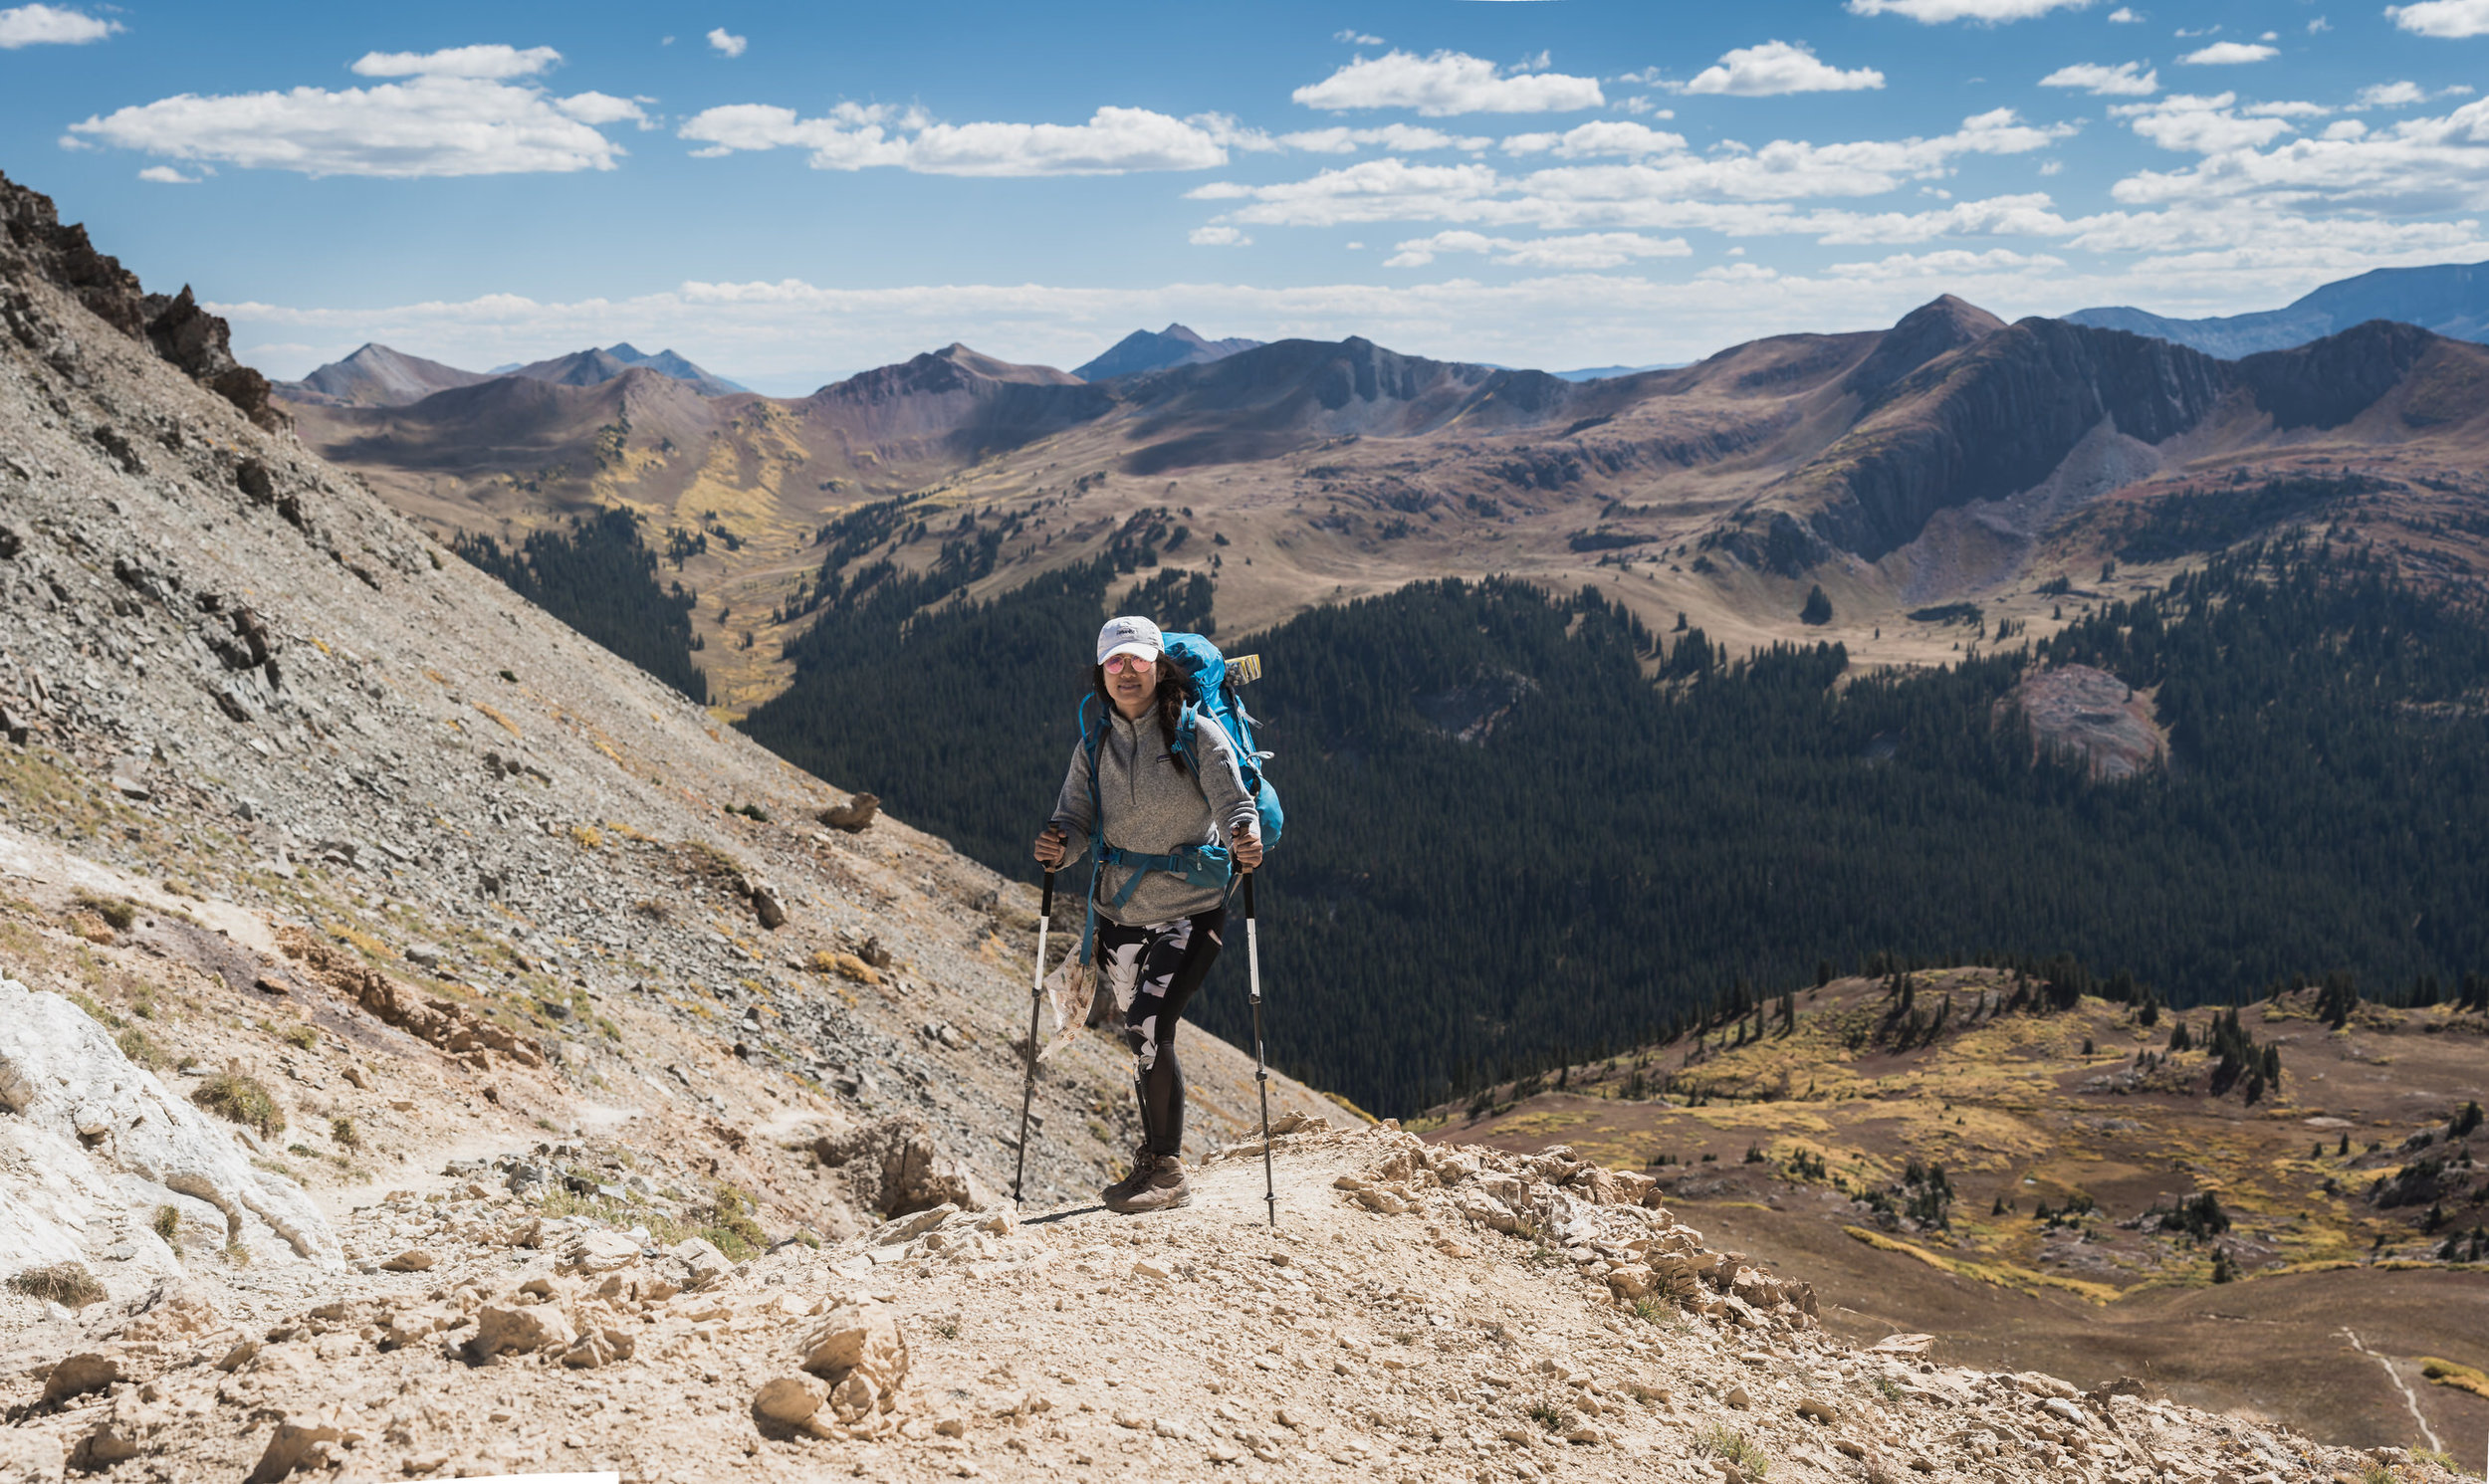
(323, 785)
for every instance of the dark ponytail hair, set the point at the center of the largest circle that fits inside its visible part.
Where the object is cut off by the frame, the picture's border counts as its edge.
(1169, 699)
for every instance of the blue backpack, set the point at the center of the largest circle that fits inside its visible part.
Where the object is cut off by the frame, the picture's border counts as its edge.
(1209, 681)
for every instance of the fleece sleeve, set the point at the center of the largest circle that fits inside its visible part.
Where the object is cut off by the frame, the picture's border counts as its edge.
(1223, 783)
(1074, 814)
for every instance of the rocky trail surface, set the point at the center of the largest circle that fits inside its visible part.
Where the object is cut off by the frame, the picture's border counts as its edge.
(1419, 1313)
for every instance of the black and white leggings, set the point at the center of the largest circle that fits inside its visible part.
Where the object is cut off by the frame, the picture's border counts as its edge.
(1152, 971)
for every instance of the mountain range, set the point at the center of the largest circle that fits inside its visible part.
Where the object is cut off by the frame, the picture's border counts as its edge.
(1941, 459)
(377, 375)
(2450, 298)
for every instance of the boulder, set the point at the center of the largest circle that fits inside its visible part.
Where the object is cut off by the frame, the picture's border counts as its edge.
(853, 815)
(863, 1357)
(893, 1167)
(87, 1371)
(299, 1440)
(600, 1250)
(703, 1264)
(505, 1329)
(791, 1398)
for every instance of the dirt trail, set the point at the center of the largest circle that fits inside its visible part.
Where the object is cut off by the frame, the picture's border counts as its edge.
(2410, 1399)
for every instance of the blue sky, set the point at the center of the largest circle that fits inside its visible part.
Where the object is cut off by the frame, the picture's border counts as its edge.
(790, 193)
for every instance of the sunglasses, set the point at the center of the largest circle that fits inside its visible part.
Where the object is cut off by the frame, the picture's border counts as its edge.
(1118, 664)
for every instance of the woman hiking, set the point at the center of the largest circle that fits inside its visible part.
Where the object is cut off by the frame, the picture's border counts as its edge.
(1158, 931)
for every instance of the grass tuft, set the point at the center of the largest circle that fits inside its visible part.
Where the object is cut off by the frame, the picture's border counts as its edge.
(730, 1229)
(167, 1225)
(1551, 1417)
(343, 1134)
(68, 1283)
(240, 1099)
(121, 914)
(141, 1048)
(2455, 1374)
(1731, 1447)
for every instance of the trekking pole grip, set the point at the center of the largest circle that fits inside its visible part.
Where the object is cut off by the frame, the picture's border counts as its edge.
(1045, 904)
(1249, 896)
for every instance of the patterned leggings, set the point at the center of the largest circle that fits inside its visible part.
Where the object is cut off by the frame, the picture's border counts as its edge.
(1153, 971)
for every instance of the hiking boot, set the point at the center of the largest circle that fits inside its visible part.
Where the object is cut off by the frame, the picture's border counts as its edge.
(1142, 1161)
(1166, 1188)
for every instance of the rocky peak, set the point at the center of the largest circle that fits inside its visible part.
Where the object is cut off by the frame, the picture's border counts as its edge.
(1176, 345)
(33, 243)
(1942, 326)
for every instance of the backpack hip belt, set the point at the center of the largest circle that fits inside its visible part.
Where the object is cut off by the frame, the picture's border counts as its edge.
(1199, 864)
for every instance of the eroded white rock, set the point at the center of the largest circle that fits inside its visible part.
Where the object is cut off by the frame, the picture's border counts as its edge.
(87, 1114)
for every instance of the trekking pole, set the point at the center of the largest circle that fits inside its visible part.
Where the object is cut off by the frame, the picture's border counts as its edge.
(1036, 1002)
(1261, 1073)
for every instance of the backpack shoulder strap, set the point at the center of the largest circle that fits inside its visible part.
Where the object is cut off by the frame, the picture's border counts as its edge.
(1188, 731)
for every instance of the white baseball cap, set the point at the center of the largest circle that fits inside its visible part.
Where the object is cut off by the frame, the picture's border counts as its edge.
(1130, 634)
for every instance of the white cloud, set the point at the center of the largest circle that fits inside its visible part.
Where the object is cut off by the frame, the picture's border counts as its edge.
(2129, 79)
(1739, 273)
(1667, 188)
(727, 44)
(2348, 128)
(2199, 126)
(166, 176)
(1949, 263)
(1988, 12)
(1588, 250)
(2449, 18)
(2391, 94)
(1446, 84)
(1607, 136)
(601, 108)
(494, 61)
(48, 25)
(2123, 16)
(1398, 138)
(1357, 38)
(2285, 109)
(457, 116)
(2319, 25)
(854, 137)
(2412, 166)
(1775, 68)
(1217, 237)
(2229, 54)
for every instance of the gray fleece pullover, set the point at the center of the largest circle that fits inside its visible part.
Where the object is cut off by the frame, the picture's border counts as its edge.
(1154, 806)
